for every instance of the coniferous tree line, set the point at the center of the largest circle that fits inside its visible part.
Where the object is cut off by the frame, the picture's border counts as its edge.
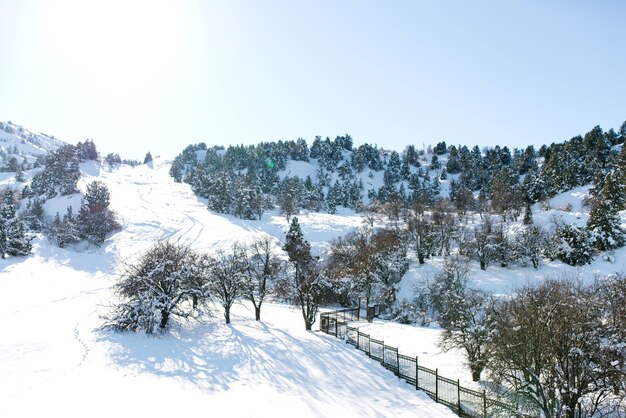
(497, 184)
(245, 180)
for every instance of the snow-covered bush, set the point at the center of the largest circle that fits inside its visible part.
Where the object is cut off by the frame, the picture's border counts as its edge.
(165, 281)
(417, 311)
(64, 231)
(572, 245)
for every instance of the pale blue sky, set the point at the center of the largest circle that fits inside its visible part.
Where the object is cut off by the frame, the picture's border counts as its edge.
(156, 75)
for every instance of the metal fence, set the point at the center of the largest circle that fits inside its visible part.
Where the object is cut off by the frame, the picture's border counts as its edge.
(464, 401)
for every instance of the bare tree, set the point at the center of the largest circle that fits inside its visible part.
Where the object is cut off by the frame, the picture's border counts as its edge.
(373, 263)
(226, 281)
(611, 296)
(549, 349)
(478, 243)
(262, 271)
(531, 242)
(352, 258)
(463, 314)
(421, 233)
(443, 226)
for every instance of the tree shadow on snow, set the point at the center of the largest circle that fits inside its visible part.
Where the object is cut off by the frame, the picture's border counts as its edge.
(87, 258)
(215, 356)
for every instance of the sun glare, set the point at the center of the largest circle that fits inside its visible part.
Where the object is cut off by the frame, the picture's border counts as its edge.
(117, 46)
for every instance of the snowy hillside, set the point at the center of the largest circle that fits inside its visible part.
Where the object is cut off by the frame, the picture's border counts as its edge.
(56, 361)
(27, 143)
(52, 348)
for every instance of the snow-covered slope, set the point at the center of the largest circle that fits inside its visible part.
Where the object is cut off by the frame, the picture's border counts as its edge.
(55, 361)
(29, 143)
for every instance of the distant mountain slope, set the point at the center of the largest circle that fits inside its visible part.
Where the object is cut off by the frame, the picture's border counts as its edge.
(14, 136)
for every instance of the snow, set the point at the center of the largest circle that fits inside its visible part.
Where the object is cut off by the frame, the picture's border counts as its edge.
(56, 361)
(421, 342)
(301, 169)
(52, 351)
(29, 143)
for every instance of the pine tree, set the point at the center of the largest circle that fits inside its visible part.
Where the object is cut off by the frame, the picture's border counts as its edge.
(528, 215)
(504, 192)
(604, 222)
(95, 219)
(65, 231)
(306, 284)
(296, 247)
(410, 156)
(18, 241)
(621, 169)
(453, 166)
(394, 167)
(434, 163)
(33, 216)
(573, 245)
(334, 197)
(14, 240)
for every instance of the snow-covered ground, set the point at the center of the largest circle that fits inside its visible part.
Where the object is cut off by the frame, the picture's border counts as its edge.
(54, 361)
(421, 342)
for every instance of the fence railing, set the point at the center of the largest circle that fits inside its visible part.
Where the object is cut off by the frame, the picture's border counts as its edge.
(464, 401)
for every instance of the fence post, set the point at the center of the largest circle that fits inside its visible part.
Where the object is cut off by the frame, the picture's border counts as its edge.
(458, 395)
(437, 385)
(417, 373)
(336, 325)
(369, 346)
(484, 403)
(398, 362)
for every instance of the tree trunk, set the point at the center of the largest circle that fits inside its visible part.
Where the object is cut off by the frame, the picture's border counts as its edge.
(476, 374)
(257, 312)
(420, 258)
(571, 402)
(483, 265)
(165, 316)
(227, 314)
